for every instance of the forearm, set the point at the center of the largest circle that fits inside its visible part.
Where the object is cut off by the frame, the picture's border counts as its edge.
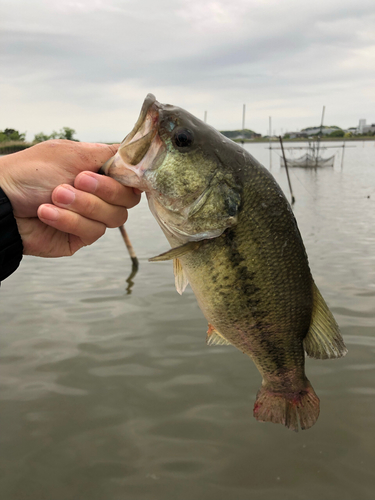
(11, 247)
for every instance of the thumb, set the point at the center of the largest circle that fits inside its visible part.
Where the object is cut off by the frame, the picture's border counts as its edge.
(97, 154)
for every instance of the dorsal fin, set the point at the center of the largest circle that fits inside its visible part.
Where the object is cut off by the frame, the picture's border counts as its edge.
(214, 337)
(323, 340)
(180, 278)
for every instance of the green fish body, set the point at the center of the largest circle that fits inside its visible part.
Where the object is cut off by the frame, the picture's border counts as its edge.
(236, 242)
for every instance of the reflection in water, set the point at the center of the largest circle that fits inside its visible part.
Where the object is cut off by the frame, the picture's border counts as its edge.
(110, 395)
(129, 279)
(133, 257)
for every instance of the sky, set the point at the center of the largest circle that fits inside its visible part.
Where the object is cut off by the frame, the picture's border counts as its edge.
(89, 64)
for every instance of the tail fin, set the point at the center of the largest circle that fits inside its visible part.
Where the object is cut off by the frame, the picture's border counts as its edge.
(290, 409)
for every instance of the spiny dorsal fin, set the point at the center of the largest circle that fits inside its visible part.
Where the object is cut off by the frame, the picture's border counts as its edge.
(214, 337)
(180, 277)
(323, 340)
(173, 253)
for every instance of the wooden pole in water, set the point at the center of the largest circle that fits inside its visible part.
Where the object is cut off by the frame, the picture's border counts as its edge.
(270, 145)
(243, 123)
(342, 158)
(320, 135)
(287, 171)
(129, 246)
(321, 123)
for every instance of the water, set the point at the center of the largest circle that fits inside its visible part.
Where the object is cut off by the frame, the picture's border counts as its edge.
(110, 395)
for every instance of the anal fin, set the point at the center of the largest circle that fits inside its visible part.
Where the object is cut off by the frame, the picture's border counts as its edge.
(323, 340)
(214, 337)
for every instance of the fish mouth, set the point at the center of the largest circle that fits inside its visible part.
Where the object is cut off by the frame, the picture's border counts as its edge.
(138, 148)
(136, 144)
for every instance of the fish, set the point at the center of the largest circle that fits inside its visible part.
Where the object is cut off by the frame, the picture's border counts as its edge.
(235, 240)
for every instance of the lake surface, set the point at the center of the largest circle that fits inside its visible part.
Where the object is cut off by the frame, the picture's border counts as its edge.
(107, 395)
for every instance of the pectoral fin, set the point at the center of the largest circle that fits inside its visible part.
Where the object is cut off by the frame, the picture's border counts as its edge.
(214, 337)
(180, 277)
(174, 253)
(323, 340)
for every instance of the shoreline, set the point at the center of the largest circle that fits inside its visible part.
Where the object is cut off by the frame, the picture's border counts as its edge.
(10, 147)
(306, 139)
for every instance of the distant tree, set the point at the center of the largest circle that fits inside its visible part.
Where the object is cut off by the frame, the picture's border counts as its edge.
(41, 137)
(318, 126)
(235, 134)
(55, 135)
(337, 133)
(65, 133)
(9, 134)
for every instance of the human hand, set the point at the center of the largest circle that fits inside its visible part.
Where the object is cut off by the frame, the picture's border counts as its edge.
(59, 202)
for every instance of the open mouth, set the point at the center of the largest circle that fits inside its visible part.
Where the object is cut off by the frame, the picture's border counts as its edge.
(138, 142)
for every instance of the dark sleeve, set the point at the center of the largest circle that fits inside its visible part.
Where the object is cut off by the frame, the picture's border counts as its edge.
(11, 248)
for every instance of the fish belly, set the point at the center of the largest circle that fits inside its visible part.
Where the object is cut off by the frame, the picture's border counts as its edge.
(264, 312)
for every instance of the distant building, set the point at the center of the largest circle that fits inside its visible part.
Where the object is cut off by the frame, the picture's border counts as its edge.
(365, 129)
(361, 126)
(316, 130)
(295, 135)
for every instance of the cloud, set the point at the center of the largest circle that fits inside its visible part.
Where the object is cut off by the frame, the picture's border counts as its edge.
(92, 62)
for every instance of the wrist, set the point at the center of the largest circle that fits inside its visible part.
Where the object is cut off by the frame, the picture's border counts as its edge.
(11, 248)
(5, 179)
(17, 183)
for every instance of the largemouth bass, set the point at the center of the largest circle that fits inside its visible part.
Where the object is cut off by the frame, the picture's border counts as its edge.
(234, 238)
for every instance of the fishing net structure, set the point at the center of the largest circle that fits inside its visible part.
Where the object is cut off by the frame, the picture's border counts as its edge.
(309, 161)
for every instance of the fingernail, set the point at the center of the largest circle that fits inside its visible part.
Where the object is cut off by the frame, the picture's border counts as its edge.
(64, 196)
(87, 183)
(48, 212)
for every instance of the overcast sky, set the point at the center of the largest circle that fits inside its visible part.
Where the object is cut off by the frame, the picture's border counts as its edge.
(88, 64)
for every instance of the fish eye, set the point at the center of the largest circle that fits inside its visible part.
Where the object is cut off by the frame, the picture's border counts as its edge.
(183, 138)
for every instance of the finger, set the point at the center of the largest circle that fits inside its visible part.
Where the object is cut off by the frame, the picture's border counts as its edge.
(89, 206)
(95, 155)
(73, 156)
(107, 189)
(71, 223)
(42, 240)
